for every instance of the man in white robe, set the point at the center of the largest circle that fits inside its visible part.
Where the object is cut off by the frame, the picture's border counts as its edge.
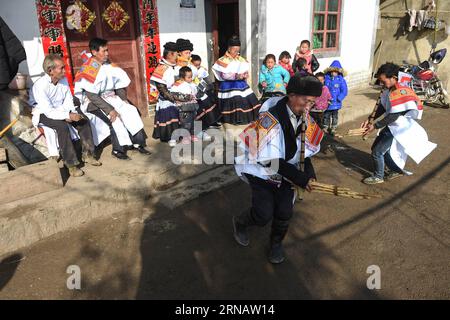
(53, 108)
(101, 88)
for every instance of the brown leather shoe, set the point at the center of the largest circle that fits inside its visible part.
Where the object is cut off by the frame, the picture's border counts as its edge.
(92, 161)
(75, 172)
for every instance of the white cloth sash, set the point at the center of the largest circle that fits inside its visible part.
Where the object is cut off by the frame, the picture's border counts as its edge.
(127, 112)
(410, 139)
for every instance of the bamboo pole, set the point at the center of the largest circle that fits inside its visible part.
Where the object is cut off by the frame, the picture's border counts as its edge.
(374, 111)
(300, 191)
(340, 191)
(9, 126)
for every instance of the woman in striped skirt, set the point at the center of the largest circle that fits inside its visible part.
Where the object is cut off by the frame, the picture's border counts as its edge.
(237, 102)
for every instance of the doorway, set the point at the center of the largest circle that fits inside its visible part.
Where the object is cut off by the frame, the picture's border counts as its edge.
(115, 21)
(225, 24)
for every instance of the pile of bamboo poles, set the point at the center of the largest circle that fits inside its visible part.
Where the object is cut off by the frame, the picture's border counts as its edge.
(355, 132)
(340, 191)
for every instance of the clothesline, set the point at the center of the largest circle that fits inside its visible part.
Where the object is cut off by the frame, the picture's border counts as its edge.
(406, 11)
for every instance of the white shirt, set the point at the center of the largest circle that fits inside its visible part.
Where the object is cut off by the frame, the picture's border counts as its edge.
(295, 123)
(185, 88)
(54, 101)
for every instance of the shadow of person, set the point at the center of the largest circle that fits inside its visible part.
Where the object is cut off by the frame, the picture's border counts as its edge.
(349, 157)
(8, 267)
(190, 253)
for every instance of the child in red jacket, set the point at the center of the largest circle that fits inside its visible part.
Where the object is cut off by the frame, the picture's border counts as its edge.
(285, 61)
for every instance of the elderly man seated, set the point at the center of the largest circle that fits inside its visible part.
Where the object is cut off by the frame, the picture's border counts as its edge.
(54, 108)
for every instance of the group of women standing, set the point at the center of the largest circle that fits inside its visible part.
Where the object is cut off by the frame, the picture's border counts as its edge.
(235, 103)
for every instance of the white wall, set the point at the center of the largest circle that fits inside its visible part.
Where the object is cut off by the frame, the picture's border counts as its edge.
(289, 22)
(357, 34)
(21, 17)
(186, 23)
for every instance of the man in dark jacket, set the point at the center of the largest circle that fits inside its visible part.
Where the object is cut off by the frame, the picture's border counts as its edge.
(274, 170)
(11, 54)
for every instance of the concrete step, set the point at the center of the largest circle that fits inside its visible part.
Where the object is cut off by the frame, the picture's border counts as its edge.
(30, 180)
(3, 157)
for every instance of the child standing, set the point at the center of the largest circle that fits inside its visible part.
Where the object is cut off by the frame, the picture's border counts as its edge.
(273, 78)
(302, 68)
(188, 109)
(334, 80)
(322, 103)
(202, 73)
(305, 52)
(208, 112)
(285, 61)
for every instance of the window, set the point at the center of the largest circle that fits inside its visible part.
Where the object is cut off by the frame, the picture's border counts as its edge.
(326, 25)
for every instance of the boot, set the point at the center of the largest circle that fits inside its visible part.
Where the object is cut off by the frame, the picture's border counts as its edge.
(276, 254)
(279, 231)
(89, 158)
(74, 171)
(240, 226)
(333, 131)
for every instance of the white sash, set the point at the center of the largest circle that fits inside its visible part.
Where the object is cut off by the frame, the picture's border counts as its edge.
(410, 139)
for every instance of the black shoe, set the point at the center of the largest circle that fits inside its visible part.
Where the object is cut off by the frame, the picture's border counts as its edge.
(142, 150)
(276, 254)
(215, 125)
(120, 155)
(240, 233)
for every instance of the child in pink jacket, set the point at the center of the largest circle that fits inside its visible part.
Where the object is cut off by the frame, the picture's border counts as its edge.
(322, 102)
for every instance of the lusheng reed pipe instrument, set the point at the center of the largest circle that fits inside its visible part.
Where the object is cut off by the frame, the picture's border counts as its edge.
(340, 191)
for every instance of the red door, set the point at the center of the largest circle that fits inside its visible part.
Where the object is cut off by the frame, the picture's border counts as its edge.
(115, 21)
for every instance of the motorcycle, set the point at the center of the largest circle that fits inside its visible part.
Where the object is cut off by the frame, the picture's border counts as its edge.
(423, 78)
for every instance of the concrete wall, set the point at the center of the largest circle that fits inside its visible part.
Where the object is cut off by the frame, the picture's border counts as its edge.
(21, 17)
(290, 22)
(412, 46)
(187, 23)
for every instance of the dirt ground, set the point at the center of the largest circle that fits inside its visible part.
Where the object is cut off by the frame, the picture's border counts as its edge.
(190, 253)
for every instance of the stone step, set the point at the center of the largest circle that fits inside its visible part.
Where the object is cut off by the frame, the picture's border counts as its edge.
(29, 180)
(3, 155)
(4, 168)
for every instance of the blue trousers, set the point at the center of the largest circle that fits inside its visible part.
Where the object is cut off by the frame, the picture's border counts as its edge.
(380, 153)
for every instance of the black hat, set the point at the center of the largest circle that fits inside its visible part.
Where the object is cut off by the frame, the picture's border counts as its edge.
(305, 86)
(183, 44)
(171, 46)
(234, 42)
